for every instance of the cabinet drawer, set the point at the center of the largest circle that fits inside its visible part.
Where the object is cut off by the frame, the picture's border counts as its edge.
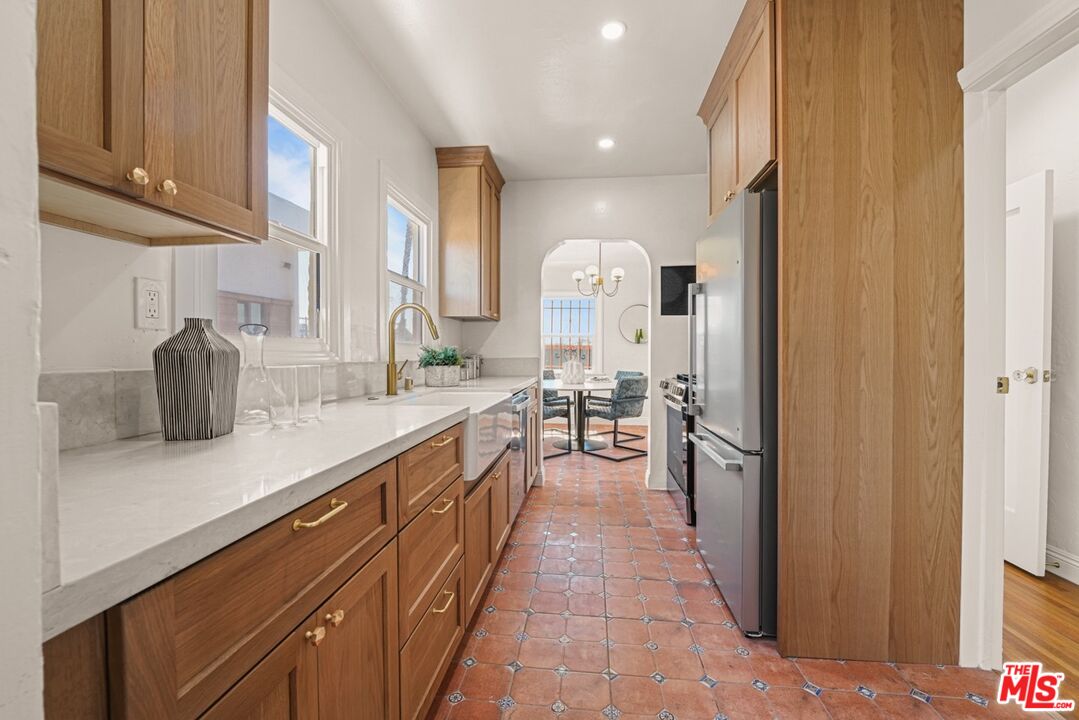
(426, 470)
(180, 645)
(430, 547)
(427, 654)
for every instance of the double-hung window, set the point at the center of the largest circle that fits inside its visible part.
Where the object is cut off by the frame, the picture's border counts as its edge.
(406, 248)
(282, 282)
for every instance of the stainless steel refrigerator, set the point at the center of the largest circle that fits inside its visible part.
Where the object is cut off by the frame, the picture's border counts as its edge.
(733, 368)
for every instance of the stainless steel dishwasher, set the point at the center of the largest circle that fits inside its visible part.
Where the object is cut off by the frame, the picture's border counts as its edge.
(521, 403)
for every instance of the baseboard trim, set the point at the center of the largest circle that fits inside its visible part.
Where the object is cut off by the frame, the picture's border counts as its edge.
(1069, 563)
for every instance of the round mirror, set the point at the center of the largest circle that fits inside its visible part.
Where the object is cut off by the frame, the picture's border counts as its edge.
(633, 324)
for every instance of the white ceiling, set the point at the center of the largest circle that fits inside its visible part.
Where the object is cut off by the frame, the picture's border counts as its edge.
(537, 82)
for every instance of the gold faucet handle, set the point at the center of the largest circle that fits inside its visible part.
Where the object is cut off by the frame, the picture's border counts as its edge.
(401, 367)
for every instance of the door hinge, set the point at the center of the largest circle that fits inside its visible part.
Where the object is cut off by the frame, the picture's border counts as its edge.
(1003, 385)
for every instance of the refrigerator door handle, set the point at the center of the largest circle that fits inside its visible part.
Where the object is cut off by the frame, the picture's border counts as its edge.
(709, 448)
(692, 406)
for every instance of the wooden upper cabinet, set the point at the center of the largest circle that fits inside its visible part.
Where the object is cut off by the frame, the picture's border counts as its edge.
(89, 90)
(152, 118)
(739, 108)
(207, 94)
(470, 233)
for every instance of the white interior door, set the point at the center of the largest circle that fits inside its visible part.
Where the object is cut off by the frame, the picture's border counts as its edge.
(1028, 322)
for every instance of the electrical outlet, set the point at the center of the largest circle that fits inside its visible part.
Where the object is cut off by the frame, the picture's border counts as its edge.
(150, 305)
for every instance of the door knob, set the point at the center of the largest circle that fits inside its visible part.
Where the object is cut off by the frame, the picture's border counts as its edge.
(1029, 375)
(139, 176)
(168, 187)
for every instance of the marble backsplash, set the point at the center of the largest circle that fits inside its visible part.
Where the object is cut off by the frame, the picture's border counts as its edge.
(99, 406)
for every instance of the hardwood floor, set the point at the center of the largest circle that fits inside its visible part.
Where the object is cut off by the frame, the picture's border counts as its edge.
(1041, 622)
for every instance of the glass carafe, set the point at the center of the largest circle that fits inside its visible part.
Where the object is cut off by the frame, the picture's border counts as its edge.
(256, 394)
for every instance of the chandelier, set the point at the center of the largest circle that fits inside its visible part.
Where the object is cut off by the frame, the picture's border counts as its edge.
(595, 279)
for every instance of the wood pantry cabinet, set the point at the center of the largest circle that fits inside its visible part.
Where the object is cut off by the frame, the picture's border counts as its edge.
(739, 108)
(470, 232)
(152, 118)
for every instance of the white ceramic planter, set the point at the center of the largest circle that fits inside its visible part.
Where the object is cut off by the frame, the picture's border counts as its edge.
(442, 375)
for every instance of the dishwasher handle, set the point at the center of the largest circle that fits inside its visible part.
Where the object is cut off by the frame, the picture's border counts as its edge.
(710, 449)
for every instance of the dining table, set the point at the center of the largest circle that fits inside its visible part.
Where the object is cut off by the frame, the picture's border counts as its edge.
(590, 385)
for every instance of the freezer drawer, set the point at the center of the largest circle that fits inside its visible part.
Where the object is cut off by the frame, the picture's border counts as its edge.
(728, 524)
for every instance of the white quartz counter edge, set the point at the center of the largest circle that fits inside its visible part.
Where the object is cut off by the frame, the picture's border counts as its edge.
(135, 512)
(509, 383)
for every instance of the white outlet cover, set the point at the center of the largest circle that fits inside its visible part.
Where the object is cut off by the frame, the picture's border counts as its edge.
(151, 304)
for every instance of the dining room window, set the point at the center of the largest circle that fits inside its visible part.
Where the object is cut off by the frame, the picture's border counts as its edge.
(569, 326)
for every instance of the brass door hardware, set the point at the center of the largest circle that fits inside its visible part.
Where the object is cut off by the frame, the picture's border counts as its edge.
(444, 608)
(315, 636)
(1028, 375)
(336, 506)
(1003, 384)
(442, 442)
(168, 187)
(1048, 375)
(335, 618)
(729, 196)
(495, 476)
(445, 508)
(139, 176)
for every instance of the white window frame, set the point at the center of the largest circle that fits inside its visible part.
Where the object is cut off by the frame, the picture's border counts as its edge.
(597, 333)
(393, 192)
(195, 268)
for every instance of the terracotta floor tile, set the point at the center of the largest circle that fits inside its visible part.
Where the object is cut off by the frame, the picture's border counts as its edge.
(547, 602)
(663, 609)
(486, 682)
(543, 625)
(475, 710)
(741, 702)
(639, 695)
(670, 634)
(496, 649)
(776, 671)
(540, 653)
(716, 637)
(509, 600)
(533, 686)
(904, 707)
(726, 666)
(625, 607)
(586, 691)
(504, 622)
(688, 699)
(950, 681)
(586, 629)
(552, 583)
(560, 567)
(557, 552)
(587, 604)
(830, 674)
(956, 709)
(632, 660)
(627, 632)
(678, 663)
(586, 585)
(588, 657)
(529, 712)
(795, 704)
(622, 587)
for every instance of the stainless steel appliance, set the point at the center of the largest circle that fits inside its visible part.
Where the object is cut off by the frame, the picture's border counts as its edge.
(521, 404)
(680, 460)
(733, 399)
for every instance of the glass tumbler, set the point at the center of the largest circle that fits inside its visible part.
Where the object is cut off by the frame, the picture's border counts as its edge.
(284, 412)
(309, 392)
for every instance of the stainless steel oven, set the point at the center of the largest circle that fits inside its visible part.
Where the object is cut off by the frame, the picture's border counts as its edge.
(522, 403)
(680, 457)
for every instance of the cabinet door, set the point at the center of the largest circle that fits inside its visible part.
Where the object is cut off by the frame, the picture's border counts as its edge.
(358, 656)
(755, 92)
(283, 686)
(722, 173)
(488, 246)
(479, 545)
(89, 90)
(535, 445)
(206, 90)
(495, 258)
(500, 505)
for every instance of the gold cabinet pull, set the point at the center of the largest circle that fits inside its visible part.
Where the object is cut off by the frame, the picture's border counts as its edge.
(168, 187)
(335, 618)
(336, 506)
(445, 508)
(446, 440)
(139, 176)
(444, 608)
(315, 636)
(729, 195)
(495, 476)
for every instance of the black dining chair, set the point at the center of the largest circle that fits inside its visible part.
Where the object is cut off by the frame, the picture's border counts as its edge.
(557, 406)
(627, 401)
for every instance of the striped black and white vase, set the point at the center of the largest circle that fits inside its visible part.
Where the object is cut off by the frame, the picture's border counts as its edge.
(196, 371)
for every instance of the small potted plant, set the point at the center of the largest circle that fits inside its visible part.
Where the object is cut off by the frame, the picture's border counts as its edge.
(441, 366)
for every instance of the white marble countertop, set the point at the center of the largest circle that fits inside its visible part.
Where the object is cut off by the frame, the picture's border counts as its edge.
(136, 511)
(510, 384)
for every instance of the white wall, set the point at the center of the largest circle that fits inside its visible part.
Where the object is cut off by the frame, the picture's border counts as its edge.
(20, 479)
(1043, 113)
(614, 351)
(315, 64)
(987, 21)
(664, 215)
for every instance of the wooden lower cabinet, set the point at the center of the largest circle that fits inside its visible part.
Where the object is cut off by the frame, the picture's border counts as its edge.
(427, 654)
(479, 560)
(76, 673)
(535, 444)
(427, 469)
(501, 521)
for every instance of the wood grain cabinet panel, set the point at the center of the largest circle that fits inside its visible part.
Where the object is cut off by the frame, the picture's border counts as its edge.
(501, 519)
(722, 172)
(358, 672)
(755, 105)
(426, 470)
(430, 548)
(76, 673)
(178, 646)
(470, 232)
(89, 90)
(427, 655)
(480, 543)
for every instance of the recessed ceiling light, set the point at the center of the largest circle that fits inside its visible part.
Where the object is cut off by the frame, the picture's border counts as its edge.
(613, 30)
(605, 143)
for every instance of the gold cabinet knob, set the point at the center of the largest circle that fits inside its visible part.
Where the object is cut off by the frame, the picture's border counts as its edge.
(729, 196)
(139, 176)
(315, 636)
(335, 618)
(168, 187)
(1029, 375)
